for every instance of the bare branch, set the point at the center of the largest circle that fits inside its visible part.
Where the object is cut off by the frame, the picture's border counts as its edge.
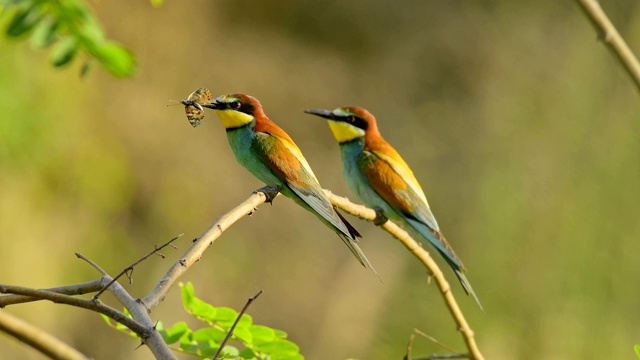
(76, 289)
(366, 213)
(194, 253)
(230, 333)
(37, 338)
(81, 303)
(608, 33)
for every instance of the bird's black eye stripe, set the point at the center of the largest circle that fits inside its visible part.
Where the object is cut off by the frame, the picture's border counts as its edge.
(356, 121)
(239, 106)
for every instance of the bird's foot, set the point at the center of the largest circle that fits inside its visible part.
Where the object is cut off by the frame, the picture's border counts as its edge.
(380, 218)
(270, 192)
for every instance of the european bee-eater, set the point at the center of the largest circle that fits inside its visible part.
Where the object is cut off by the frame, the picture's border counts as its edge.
(377, 174)
(271, 155)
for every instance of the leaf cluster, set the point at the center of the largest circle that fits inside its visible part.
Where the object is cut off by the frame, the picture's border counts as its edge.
(70, 28)
(250, 341)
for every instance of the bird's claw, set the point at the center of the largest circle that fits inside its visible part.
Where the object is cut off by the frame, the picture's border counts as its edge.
(270, 192)
(380, 218)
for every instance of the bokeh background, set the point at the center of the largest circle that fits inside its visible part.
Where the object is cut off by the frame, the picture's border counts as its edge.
(519, 124)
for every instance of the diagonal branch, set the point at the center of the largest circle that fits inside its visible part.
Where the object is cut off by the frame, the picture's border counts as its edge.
(37, 338)
(201, 244)
(366, 213)
(235, 323)
(608, 33)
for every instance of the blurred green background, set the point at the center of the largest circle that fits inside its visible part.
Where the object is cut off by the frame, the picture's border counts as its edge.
(521, 127)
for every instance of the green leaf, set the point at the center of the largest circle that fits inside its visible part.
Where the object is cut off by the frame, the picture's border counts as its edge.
(118, 326)
(116, 59)
(281, 334)
(188, 293)
(243, 334)
(202, 310)
(247, 354)
(174, 333)
(229, 352)
(63, 52)
(286, 357)
(187, 344)
(278, 347)
(75, 11)
(225, 317)
(262, 334)
(209, 334)
(106, 319)
(207, 349)
(24, 20)
(637, 350)
(91, 31)
(197, 307)
(45, 33)
(245, 321)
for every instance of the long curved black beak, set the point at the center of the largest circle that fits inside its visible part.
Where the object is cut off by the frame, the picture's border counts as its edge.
(216, 105)
(327, 114)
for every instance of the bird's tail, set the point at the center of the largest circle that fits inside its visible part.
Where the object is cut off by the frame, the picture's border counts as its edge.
(466, 285)
(437, 241)
(352, 231)
(357, 252)
(352, 243)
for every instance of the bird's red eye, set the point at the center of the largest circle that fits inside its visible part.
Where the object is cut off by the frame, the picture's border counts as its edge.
(351, 119)
(235, 105)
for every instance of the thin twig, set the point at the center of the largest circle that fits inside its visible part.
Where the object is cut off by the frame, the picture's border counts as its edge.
(92, 263)
(97, 306)
(423, 256)
(608, 33)
(432, 339)
(409, 346)
(230, 333)
(195, 252)
(130, 267)
(37, 338)
(75, 289)
(433, 356)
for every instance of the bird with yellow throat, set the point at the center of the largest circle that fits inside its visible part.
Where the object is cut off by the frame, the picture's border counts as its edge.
(379, 176)
(270, 154)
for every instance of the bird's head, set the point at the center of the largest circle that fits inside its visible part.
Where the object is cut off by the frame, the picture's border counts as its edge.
(235, 110)
(347, 123)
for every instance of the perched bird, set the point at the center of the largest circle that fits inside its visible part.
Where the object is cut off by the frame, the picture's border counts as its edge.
(271, 155)
(377, 174)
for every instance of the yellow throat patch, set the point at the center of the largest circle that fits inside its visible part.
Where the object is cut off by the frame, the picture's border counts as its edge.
(233, 119)
(344, 132)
